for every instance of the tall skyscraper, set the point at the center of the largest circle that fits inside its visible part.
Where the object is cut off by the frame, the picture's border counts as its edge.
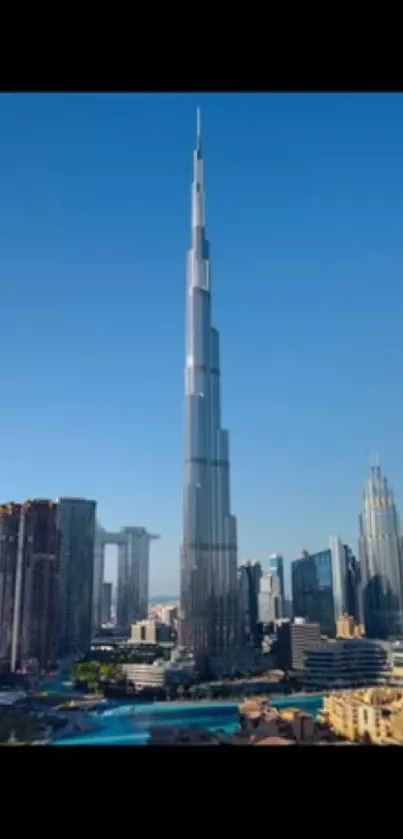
(270, 600)
(133, 576)
(77, 533)
(249, 574)
(106, 602)
(36, 618)
(209, 602)
(346, 581)
(312, 589)
(9, 528)
(380, 559)
(133, 565)
(276, 567)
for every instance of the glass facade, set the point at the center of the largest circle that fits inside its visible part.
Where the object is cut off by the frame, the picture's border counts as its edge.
(312, 590)
(276, 567)
(380, 559)
(77, 533)
(249, 575)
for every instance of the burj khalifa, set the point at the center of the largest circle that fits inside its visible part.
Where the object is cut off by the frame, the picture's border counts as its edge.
(209, 597)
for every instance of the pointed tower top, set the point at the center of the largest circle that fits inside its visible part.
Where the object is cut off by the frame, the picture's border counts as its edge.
(198, 129)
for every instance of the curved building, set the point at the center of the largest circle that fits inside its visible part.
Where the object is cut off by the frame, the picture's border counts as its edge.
(380, 559)
(209, 614)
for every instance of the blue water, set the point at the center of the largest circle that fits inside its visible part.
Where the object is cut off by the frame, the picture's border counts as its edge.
(127, 723)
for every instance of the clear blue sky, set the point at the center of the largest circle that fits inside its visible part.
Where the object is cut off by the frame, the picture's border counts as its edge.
(305, 219)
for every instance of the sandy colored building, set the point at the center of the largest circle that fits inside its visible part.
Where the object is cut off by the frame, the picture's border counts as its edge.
(373, 715)
(263, 724)
(346, 627)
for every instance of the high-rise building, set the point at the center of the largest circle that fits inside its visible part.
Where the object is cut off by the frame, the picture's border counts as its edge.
(209, 601)
(276, 567)
(36, 618)
(106, 602)
(249, 574)
(346, 581)
(312, 589)
(354, 587)
(270, 600)
(380, 559)
(9, 528)
(133, 574)
(77, 532)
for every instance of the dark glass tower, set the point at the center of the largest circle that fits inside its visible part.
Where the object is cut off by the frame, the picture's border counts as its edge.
(36, 618)
(209, 601)
(312, 590)
(77, 533)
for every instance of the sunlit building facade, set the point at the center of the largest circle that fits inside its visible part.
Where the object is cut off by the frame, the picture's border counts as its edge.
(209, 619)
(381, 559)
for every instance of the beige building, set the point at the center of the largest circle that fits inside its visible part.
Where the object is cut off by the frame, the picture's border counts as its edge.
(374, 715)
(346, 627)
(160, 674)
(150, 632)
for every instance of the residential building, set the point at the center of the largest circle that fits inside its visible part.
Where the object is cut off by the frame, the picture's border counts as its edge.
(36, 619)
(77, 533)
(133, 544)
(373, 715)
(9, 529)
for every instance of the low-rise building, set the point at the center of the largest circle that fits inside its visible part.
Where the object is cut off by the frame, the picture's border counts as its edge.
(150, 632)
(352, 662)
(396, 664)
(373, 715)
(293, 638)
(346, 627)
(160, 674)
(260, 723)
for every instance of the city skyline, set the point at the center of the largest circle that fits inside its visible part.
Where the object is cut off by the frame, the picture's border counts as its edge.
(305, 205)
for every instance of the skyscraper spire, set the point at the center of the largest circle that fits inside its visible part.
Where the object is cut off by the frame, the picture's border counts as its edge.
(198, 130)
(209, 547)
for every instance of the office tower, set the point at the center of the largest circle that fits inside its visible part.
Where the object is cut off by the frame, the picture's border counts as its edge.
(293, 639)
(270, 600)
(249, 574)
(312, 589)
(209, 613)
(9, 528)
(380, 559)
(77, 533)
(276, 567)
(133, 545)
(106, 602)
(35, 633)
(354, 588)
